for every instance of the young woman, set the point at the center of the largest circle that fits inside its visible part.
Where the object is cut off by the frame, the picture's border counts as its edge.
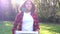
(27, 20)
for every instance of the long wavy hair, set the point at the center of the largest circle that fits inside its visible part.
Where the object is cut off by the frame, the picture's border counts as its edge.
(23, 8)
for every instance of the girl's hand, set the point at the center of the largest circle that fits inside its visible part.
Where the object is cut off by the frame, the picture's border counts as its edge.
(38, 31)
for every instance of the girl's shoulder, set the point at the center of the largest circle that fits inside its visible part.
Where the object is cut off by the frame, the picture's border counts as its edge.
(19, 14)
(34, 13)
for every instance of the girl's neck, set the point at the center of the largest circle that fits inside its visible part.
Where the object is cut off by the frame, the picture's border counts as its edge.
(27, 11)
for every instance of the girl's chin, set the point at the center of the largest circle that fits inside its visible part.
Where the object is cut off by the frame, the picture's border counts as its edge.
(29, 9)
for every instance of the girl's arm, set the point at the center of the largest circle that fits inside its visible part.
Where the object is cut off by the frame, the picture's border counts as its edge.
(16, 21)
(37, 23)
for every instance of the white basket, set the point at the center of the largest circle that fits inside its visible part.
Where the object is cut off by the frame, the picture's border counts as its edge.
(26, 32)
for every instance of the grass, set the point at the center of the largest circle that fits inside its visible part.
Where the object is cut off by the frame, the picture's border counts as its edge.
(45, 28)
(49, 28)
(5, 27)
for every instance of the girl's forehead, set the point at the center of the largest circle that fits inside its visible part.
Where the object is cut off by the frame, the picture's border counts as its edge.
(28, 2)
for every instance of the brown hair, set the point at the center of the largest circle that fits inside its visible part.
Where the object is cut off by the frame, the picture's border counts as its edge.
(23, 8)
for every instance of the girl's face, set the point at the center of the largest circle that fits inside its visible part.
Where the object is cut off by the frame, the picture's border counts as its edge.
(28, 5)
